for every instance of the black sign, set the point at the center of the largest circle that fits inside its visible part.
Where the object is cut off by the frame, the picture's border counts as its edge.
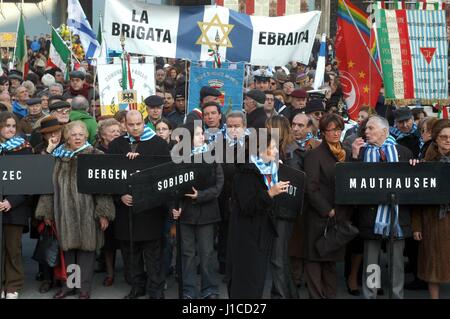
(293, 199)
(161, 184)
(373, 183)
(109, 174)
(26, 174)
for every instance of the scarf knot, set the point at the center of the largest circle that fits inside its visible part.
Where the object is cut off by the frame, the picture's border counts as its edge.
(147, 135)
(199, 149)
(62, 152)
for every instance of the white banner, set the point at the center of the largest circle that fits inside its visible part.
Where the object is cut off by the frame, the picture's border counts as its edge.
(194, 33)
(110, 89)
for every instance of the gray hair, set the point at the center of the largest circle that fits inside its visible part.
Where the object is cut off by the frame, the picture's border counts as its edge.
(381, 120)
(238, 114)
(58, 85)
(80, 103)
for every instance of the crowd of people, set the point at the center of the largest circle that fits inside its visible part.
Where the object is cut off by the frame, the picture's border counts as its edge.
(235, 216)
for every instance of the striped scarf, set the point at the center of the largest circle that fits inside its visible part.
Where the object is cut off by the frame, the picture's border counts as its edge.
(268, 170)
(302, 143)
(62, 152)
(199, 149)
(398, 135)
(233, 141)
(12, 143)
(382, 221)
(147, 135)
(212, 135)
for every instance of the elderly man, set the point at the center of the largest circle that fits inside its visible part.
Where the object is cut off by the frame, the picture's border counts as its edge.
(298, 102)
(405, 131)
(269, 104)
(56, 89)
(60, 110)
(34, 114)
(374, 226)
(145, 274)
(302, 127)
(80, 107)
(254, 108)
(20, 104)
(315, 109)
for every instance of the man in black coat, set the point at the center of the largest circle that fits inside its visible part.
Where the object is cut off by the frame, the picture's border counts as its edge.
(377, 133)
(254, 107)
(148, 225)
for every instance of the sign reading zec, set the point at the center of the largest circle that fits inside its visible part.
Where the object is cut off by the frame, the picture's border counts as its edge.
(7, 39)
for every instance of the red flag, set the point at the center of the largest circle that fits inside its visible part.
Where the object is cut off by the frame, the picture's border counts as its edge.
(360, 80)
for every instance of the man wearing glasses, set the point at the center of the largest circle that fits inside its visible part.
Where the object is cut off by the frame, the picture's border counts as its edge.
(60, 110)
(315, 109)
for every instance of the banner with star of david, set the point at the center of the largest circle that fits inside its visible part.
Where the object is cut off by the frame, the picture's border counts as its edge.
(192, 32)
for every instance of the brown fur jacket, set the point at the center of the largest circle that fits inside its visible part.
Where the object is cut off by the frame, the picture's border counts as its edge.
(76, 215)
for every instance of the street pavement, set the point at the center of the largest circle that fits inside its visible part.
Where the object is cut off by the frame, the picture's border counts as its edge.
(121, 288)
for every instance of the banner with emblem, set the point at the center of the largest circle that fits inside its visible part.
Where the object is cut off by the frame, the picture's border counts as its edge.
(113, 98)
(414, 54)
(191, 32)
(229, 79)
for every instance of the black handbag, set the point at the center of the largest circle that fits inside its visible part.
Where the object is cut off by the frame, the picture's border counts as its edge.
(335, 236)
(47, 248)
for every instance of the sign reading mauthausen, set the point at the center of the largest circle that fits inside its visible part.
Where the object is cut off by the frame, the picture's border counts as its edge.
(372, 183)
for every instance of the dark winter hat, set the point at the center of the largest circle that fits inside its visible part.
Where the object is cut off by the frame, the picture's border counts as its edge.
(49, 124)
(77, 75)
(209, 91)
(403, 114)
(58, 105)
(257, 95)
(314, 106)
(34, 101)
(154, 101)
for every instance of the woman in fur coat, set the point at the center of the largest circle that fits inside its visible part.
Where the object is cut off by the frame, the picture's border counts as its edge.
(80, 219)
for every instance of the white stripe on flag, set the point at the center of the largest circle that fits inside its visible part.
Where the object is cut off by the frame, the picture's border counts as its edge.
(215, 30)
(394, 41)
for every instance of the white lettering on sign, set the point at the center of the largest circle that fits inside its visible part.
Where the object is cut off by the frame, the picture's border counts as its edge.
(176, 180)
(107, 174)
(11, 175)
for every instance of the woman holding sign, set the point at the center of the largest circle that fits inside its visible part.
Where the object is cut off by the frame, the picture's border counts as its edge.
(15, 211)
(431, 225)
(80, 219)
(252, 221)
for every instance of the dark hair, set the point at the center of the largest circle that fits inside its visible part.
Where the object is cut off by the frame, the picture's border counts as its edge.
(163, 120)
(329, 118)
(5, 116)
(120, 116)
(3, 108)
(211, 103)
(417, 111)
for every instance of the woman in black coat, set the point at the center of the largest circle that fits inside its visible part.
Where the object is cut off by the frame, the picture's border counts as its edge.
(252, 225)
(15, 210)
(320, 163)
(198, 215)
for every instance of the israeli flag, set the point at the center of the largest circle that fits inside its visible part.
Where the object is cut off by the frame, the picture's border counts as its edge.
(320, 71)
(79, 25)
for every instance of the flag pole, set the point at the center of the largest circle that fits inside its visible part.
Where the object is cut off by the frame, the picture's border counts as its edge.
(362, 39)
(70, 49)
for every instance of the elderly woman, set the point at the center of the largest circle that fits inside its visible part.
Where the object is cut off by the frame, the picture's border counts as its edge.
(108, 130)
(15, 210)
(51, 131)
(320, 164)
(80, 219)
(431, 224)
(425, 126)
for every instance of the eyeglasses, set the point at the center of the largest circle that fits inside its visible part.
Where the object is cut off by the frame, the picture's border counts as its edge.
(162, 129)
(444, 137)
(62, 111)
(318, 113)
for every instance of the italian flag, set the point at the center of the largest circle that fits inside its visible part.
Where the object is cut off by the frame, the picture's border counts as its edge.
(59, 55)
(21, 49)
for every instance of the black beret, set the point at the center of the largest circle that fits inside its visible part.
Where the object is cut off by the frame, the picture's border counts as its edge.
(58, 105)
(34, 101)
(154, 101)
(403, 114)
(209, 91)
(314, 106)
(77, 75)
(14, 76)
(257, 95)
(181, 93)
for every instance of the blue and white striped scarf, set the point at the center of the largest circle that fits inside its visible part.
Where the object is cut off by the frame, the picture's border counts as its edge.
(382, 221)
(11, 144)
(147, 135)
(211, 135)
(264, 168)
(398, 135)
(233, 141)
(302, 143)
(62, 152)
(199, 149)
